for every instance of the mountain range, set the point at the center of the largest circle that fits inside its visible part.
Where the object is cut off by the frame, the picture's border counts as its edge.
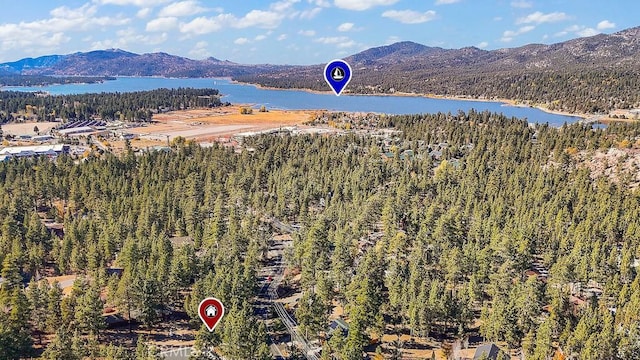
(113, 62)
(618, 49)
(606, 66)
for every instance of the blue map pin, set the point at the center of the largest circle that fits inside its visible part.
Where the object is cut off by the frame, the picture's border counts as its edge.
(337, 74)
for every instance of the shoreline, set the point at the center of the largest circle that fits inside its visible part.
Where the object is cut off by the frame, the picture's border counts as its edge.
(504, 102)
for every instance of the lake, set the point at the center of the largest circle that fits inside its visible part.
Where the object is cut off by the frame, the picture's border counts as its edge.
(297, 99)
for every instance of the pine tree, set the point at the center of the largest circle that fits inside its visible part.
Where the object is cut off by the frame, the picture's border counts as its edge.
(37, 294)
(61, 348)
(88, 314)
(54, 313)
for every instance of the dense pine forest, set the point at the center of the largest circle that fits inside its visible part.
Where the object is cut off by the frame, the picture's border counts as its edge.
(574, 89)
(458, 238)
(130, 106)
(42, 80)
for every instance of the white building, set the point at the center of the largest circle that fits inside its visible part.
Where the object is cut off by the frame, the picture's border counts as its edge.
(30, 151)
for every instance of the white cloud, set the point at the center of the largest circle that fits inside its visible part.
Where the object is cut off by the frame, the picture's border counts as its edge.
(392, 39)
(204, 25)
(341, 42)
(360, 5)
(260, 18)
(283, 5)
(241, 41)
(254, 18)
(333, 40)
(48, 34)
(307, 32)
(446, 2)
(605, 24)
(66, 19)
(570, 29)
(482, 45)
(345, 27)
(587, 32)
(508, 35)
(127, 37)
(410, 16)
(260, 37)
(139, 3)
(143, 13)
(521, 4)
(579, 30)
(346, 44)
(14, 37)
(182, 8)
(282, 37)
(309, 14)
(200, 50)
(162, 24)
(68, 13)
(540, 18)
(321, 3)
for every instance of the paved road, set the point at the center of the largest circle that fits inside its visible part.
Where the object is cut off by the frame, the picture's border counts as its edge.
(272, 291)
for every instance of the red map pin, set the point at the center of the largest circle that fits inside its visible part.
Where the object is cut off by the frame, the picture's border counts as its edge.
(211, 311)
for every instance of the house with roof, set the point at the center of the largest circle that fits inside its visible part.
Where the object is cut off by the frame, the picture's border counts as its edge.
(338, 324)
(489, 351)
(114, 320)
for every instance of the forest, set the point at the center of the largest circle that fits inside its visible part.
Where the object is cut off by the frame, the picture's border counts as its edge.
(459, 237)
(572, 89)
(130, 106)
(42, 80)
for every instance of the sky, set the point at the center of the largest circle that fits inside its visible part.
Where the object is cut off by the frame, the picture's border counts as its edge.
(296, 31)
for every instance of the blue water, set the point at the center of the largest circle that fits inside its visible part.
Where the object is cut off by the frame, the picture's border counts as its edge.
(295, 99)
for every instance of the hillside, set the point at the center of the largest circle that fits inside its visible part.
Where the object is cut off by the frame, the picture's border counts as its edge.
(588, 75)
(114, 62)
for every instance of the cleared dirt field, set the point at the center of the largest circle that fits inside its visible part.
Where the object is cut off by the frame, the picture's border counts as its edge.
(18, 129)
(209, 124)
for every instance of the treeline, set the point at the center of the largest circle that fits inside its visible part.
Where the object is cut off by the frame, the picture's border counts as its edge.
(42, 80)
(457, 241)
(403, 243)
(127, 208)
(131, 106)
(573, 89)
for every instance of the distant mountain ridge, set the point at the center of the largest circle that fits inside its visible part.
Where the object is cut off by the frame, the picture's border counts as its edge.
(589, 74)
(585, 75)
(615, 49)
(621, 48)
(114, 62)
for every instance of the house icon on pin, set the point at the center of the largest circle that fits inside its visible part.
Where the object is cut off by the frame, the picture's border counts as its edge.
(211, 311)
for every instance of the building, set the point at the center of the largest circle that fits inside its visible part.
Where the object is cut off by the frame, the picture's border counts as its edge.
(56, 229)
(128, 136)
(114, 321)
(42, 138)
(338, 324)
(489, 351)
(115, 272)
(76, 131)
(32, 151)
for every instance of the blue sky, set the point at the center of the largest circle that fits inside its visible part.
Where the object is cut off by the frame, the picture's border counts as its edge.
(296, 31)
